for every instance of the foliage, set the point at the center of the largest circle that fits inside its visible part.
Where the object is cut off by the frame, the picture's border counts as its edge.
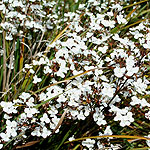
(74, 74)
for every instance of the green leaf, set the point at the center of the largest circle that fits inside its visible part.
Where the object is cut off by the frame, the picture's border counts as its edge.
(114, 30)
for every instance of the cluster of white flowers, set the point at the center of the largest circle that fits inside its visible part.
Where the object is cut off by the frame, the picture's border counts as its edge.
(99, 117)
(107, 68)
(89, 143)
(122, 115)
(17, 21)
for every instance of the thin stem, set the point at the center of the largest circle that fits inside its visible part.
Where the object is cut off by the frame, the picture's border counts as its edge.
(4, 61)
(11, 61)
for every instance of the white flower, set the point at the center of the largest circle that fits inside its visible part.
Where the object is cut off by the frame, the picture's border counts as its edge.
(81, 116)
(119, 72)
(5, 136)
(81, 6)
(89, 34)
(61, 98)
(12, 124)
(8, 107)
(53, 91)
(147, 45)
(23, 116)
(29, 24)
(11, 131)
(78, 28)
(53, 111)
(99, 117)
(63, 69)
(104, 78)
(74, 113)
(125, 118)
(134, 101)
(100, 145)
(42, 97)
(121, 20)
(71, 138)
(147, 115)
(101, 121)
(30, 112)
(7, 116)
(36, 132)
(108, 90)
(98, 72)
(21, 17)
(136, 34)
(1, 146)
(88, 143)
(140, 86)
(45, 118)
(108, 131)
(103, 49)
(27, 66)
(129, 117)
(35, 62)
(116, 6)
(45, 132)
(54, 123)
(41, 61)
(36, 79)
(110, 13)
(32, 71)
(73, 103)
(47, 69)
(148, 141)
(30, 102)
(148, 36)
(118, 117)
(55, 120)
(144, 103)
(60, 73)
(2, 7)
(9, 37)
(87, 112)
(24, 96)
(108, 23)
(131, 70)
(17, 3)
(130, 61)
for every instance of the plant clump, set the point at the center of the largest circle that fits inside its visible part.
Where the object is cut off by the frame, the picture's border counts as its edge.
(74, 73)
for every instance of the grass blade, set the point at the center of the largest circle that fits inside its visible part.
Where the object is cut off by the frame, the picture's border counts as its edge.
(106, 136)
(135, 4)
